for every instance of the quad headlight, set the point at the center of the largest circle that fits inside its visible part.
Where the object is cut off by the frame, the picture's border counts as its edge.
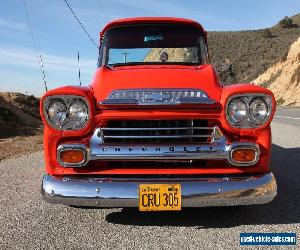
(259, 110)
(249, 110)
(66, 112)
(238, 110)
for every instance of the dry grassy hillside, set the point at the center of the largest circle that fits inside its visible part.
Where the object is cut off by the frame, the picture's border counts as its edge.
(283, 78)
(20, 125)
(19, 114)
(251, 52)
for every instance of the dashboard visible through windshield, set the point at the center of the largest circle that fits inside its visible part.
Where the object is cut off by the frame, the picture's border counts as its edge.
(153, 44)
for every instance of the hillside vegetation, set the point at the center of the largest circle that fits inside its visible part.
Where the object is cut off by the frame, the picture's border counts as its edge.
(19, 115)
(20, 125)
(251, 52)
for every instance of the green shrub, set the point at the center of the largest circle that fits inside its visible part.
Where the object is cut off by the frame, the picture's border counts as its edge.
(28, 104)
(286, 23)
(266, 33)
(29, 100)
(280, 101)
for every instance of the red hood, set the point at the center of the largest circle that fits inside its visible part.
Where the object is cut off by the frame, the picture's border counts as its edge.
(139, 77)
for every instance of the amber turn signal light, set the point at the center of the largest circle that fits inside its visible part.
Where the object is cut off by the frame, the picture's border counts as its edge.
(72, 156)
(243, 155)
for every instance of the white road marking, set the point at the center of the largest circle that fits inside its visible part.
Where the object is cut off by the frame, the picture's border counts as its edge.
(287, 117)
(297, 108)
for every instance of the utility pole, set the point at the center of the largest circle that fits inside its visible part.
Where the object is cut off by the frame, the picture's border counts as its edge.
(125, 56)
(79, 78)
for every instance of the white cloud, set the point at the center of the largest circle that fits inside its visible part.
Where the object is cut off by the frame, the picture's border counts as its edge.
(19, 70)
(9, 24)
(28, 58)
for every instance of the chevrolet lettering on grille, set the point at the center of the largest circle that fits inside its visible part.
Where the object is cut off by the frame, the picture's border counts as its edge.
(204, 151)
(153, 149)
(158, 97)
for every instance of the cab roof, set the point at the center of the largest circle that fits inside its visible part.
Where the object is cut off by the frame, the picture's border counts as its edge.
(151, 20)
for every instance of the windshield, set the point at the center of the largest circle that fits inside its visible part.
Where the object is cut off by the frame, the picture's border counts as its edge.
(153, 44)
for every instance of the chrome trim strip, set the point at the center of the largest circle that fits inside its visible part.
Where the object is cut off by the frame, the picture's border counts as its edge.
(156, 136)
(218, 149)
(165, 128)
(79, 147)
(184, 100)
(119, 102)
(178, 152)
(123, 192)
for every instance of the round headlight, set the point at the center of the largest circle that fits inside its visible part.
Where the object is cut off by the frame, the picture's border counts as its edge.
(57, 112)
(66, 112)
(259, 110)
(237, 111)
(78, 113)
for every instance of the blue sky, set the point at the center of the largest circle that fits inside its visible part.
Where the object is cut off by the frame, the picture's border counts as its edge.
(60, 37)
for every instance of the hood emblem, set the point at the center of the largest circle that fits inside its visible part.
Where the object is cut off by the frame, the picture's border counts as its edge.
(157, 97)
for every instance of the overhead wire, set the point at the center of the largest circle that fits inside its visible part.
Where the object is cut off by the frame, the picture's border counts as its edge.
(35, 44)
(81, 24)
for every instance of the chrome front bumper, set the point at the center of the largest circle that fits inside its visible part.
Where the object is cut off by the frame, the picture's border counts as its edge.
(123, 192)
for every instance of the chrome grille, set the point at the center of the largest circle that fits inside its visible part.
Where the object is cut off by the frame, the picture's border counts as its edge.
(157, 131)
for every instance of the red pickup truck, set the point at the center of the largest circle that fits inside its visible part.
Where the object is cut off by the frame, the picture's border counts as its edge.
(156, 129)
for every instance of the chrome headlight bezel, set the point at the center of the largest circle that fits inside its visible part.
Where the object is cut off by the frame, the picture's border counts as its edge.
(243, 113)
(249, 121)
(68, 101)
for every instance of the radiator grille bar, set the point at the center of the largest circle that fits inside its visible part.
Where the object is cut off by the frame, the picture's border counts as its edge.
(157, 131)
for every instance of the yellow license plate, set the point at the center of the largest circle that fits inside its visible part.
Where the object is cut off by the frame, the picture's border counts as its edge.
(159, 197)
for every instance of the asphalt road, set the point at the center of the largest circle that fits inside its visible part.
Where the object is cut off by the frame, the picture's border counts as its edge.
(27, 222)
(288, 116)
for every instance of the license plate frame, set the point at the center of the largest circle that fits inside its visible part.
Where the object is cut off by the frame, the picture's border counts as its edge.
(160, 197)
